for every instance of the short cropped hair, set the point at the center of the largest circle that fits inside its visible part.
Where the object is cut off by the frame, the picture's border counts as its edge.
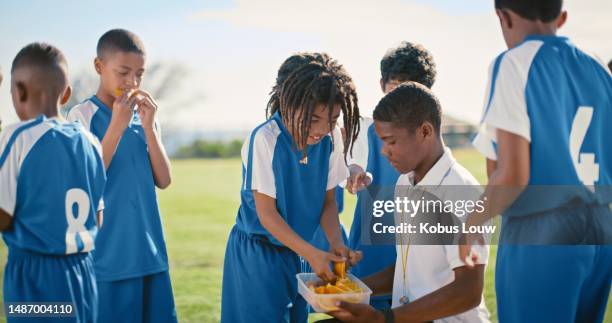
(50, 68)
(39, 55)
(542, 10)
(409, 105)
(120, 40)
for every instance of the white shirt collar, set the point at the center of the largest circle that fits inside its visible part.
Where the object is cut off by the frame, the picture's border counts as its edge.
(436, 174)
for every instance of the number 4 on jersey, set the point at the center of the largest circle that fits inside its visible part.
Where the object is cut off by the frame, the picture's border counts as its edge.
(584, 163)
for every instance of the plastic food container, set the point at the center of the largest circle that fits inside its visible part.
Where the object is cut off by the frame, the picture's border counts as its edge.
(322, 303)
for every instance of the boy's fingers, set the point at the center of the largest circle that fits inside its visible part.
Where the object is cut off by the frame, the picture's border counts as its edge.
(327, 275)
(349, 307)
(357, 184)
(341, 314)
(151, 103)
(349, 185)
(463, 253)
(145, 104)
(132, 101)
(474, 258)
(123, 97)
(337, 258)
(466, 255)
(144, 93)
(356, 257)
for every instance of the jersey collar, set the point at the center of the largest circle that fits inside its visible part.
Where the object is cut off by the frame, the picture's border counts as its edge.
(437, 174)
(545, 38)
(99, 103)
(279, 121)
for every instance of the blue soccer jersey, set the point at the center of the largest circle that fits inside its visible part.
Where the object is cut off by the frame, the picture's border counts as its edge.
(53, 179)
(131, 242)
(367, 154)
(558, 98)
(274, 167)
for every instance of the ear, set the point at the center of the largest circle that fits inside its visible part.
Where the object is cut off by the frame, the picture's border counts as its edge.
(382, 85)
(66, 95)
(22, 92)
(427, 130)
(561, 19)
(505, 19)
(98, 65)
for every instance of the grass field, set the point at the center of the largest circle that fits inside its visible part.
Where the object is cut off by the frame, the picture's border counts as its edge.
(198, 211)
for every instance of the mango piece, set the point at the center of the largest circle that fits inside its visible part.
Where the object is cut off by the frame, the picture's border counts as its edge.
(341, 286)
(321, 290)
(340, 269)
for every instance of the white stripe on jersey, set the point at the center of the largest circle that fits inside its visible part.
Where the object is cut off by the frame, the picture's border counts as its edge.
(83, 112)
(361, 146)
(508, 107)
(338, 171)
(94, 141)
(18, 151)
(264, 142)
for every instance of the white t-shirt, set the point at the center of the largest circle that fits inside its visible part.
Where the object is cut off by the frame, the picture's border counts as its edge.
(361, 146)
(430, 267)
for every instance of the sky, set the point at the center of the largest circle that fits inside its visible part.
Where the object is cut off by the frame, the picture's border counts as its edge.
(232, 49)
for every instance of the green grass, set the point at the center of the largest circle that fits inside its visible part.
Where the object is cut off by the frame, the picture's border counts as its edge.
(198, 211)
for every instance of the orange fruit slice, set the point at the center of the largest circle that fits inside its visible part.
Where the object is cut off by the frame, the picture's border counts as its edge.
(340, 269)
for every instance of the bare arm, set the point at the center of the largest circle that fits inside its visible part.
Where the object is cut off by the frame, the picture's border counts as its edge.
(272, 221)
(463, 294)
(120, 119)
(109, 144)
(491, 166)
(509, 177)
(6, 220)
(160, 163)
(381, 283)
(330, 223)
(506, 182)
(100, 215)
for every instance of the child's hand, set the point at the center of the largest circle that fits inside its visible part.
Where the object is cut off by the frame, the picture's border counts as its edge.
(320, 260)
(358, 179)
(123, 110)
(352, 256)
(147, 108)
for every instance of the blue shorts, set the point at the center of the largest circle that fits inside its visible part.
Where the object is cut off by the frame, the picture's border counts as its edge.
(142, 299)
(554, 283)
(259, 283)
(32, 277)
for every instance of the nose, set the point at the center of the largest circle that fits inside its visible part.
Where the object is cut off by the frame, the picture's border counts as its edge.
(319, 131)
(133, 81)
(385, 151)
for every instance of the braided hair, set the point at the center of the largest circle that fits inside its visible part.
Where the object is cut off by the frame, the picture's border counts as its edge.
(291, 64)
(313, 84)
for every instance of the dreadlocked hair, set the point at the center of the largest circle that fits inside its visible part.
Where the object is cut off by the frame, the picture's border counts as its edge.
(291, 64)
(315, 84)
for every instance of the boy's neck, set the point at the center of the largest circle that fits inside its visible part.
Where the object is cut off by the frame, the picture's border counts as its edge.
(538, 29)
(106, 98)
(429, 162)
(49, 110)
